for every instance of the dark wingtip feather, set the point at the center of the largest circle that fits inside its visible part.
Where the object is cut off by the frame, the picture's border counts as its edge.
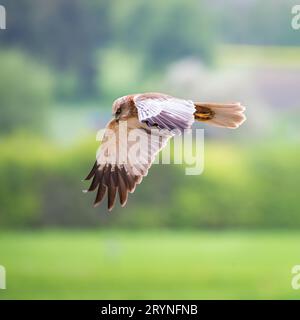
(106, 175)
(123, 190)
(111, 197)
(138, 179)
(100, 195)
(128, 179)
(97, 180)
(112, 190)
(95, 183)
(92, 172)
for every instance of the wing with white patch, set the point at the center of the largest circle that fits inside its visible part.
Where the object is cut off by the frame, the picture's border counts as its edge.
(164, 111)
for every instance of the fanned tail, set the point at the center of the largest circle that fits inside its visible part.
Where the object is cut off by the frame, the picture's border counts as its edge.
(228, 115)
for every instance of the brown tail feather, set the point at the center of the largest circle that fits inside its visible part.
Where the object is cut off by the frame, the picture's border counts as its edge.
(220, 114)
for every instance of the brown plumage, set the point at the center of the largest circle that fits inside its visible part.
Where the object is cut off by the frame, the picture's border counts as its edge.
(154, 118)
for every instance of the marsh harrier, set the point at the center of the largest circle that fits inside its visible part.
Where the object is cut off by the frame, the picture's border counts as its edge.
(151, 119)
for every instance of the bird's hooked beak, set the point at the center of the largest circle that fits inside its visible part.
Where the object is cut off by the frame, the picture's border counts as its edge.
(117, 117)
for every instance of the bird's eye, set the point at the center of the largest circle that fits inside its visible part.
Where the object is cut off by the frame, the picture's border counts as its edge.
(118, 111)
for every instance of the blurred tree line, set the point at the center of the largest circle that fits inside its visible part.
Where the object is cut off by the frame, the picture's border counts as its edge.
(97, 50)
(258, 22)
(68, 34)
(41, 186)
(75, 37)
(26, 92)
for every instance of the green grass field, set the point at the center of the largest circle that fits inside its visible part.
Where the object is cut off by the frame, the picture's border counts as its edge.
(149, 265)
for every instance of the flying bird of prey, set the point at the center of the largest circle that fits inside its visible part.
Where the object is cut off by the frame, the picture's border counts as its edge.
(123, 160)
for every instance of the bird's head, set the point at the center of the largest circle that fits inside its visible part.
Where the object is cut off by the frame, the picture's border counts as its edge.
(121, 108)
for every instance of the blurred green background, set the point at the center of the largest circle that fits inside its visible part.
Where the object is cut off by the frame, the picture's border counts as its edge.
(232, 232)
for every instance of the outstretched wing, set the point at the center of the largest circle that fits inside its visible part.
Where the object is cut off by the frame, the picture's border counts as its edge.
(126, 153)
(164, 111)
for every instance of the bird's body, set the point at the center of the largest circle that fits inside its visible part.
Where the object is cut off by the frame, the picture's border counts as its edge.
(142, 126)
